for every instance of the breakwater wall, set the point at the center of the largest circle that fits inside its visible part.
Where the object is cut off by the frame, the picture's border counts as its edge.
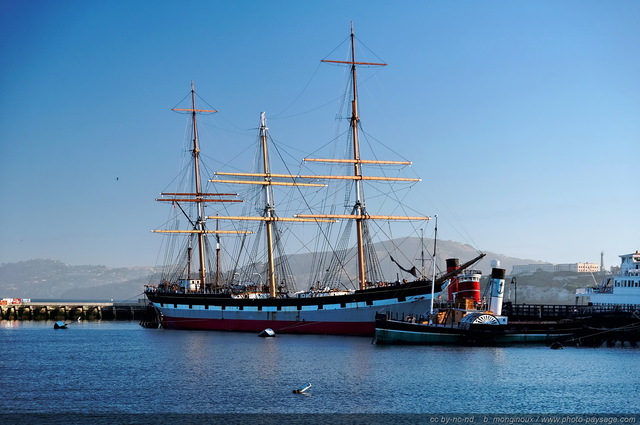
(73, 311)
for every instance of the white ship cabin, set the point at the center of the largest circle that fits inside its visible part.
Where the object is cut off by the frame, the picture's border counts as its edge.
(189, 284)
(622, 288)
(630, 264)
(324, 292)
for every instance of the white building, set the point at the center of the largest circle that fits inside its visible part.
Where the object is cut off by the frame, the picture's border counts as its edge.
(547, 267)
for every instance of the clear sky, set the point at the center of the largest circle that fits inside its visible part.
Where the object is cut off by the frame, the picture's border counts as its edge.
(521, 117)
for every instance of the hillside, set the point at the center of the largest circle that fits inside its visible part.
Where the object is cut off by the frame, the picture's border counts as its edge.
(408, 252)
(548, 287)
(50, 279)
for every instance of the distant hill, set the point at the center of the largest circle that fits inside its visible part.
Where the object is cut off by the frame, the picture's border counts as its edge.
(51, 279)
(549, 287)
(408, 252)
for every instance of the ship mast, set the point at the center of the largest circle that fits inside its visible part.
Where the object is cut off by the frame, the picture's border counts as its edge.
(218, 266)
(359, 213)
(200, 221)
(267, 179)
(359, 208)
(199, 197)
(269, 207)
(433, 275)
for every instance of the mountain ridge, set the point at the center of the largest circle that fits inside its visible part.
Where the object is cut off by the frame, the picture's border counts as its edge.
(53, 279)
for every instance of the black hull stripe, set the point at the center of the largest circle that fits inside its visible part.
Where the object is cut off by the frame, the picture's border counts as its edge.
(368, 296)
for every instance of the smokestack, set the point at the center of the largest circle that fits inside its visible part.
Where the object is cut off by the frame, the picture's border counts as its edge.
(497, 290)
(452, 264)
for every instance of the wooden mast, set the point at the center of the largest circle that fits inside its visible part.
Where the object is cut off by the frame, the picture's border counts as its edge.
(359, 213)
(266, 179)
(218, 265)
(269, 207)
(196, 170)
(198, 227)
(359, 207)
(359, 210)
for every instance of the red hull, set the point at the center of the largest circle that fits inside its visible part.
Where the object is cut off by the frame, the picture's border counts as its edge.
(292, 327)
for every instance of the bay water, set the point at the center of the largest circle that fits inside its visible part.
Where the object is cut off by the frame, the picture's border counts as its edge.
(107, 367)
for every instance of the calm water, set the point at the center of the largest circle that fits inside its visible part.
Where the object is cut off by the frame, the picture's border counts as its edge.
(122, 367)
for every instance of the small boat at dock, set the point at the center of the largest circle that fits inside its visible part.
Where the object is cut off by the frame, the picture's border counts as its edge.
(59, 325)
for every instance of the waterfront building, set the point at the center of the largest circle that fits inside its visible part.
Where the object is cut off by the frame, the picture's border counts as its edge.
(548, 267)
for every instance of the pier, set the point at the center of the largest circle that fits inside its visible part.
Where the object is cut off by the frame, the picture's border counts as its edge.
(68, 311)
(555, 312)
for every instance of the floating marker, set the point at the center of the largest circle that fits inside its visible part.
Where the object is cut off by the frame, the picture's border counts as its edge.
(302, 390)
(267, 333)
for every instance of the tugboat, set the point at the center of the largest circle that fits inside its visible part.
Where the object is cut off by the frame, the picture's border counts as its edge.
(469, 322)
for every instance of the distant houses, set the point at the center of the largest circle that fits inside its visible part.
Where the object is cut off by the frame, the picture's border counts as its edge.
(547, 267)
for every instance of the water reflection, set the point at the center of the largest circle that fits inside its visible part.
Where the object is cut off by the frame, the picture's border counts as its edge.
(121, 367)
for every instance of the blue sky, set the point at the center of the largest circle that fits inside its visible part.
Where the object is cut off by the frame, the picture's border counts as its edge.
(522, 118)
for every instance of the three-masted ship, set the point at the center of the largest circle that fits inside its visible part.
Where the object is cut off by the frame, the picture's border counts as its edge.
(197, 294)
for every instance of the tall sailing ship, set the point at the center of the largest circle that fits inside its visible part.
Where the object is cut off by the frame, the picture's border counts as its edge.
(195, 292)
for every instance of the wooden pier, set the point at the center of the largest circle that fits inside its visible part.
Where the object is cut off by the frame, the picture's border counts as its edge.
(610, 325)
(554, 312)
(73, 311)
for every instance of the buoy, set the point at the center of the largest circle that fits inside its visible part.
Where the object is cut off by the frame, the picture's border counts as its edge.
(302, 390)
(556, 346)
(267, 333)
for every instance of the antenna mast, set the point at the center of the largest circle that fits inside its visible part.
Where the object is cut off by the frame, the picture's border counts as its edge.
(433, 276)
